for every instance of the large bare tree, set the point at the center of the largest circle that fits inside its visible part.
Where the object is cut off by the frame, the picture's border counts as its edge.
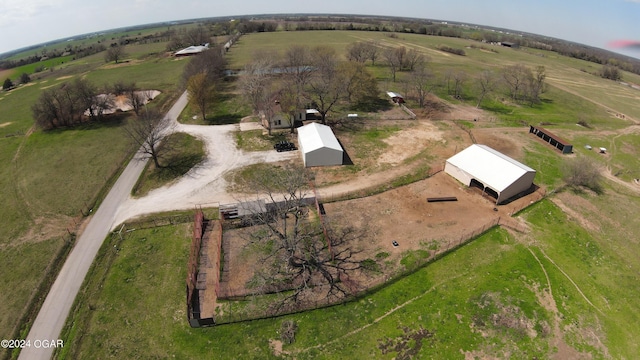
(326, 87)
(148, 131)
(301, 257)
(486, 83)
(422, 81)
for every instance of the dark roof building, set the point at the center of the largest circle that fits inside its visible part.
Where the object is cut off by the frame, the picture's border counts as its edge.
(549, 137)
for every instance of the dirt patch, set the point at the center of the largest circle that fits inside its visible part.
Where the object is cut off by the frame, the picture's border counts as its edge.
(410, 142)
(401, 215)
(508, 141)
(44, 229)
(568, 202)
(64, 77)
(276, 347)
(5, 124)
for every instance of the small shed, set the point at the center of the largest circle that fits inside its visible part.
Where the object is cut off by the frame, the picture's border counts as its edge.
(308, 114)
(493, 172)
(395, 97)
(554, 140)
(319, 146)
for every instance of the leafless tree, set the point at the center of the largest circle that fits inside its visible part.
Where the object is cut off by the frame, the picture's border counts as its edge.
(115, 53)
(148, 131)
(326, 87)
(373, 51)
(391, 56)
(297, 66)
(486, 83)
(413, 59)
(459, 78)
(137, 99)
(301, 258)
(422, 81)
(210, 62)
(357, 52)
(256, 78)
(65, 105)
(516, 78)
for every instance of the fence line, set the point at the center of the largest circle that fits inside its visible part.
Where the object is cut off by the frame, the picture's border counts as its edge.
(376, 189)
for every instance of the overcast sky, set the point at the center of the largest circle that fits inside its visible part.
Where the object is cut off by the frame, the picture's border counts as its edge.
(592, 22)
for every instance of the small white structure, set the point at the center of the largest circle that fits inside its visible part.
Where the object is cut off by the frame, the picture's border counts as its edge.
(192, 50)
(319, 146)
(492, 171)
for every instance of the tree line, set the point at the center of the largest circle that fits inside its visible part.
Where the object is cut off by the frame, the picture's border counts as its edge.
(305, 77)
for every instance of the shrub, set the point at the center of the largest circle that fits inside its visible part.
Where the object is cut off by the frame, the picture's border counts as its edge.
(288, 331)
(583, 172)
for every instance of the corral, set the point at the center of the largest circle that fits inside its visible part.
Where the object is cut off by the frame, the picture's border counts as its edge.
(430, 227)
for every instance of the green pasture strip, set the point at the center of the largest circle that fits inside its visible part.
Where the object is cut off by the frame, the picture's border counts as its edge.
(603, 265)
(15, 215)
(62, 171)
(184, 153)
(22, 267)
(160, 74)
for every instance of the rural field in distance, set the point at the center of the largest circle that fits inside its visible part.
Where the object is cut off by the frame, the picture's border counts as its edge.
(562, 286)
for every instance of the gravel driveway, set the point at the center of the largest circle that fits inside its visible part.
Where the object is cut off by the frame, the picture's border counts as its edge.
(203, 185)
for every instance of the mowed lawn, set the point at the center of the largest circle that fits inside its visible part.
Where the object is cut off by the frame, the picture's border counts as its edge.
(490, 298)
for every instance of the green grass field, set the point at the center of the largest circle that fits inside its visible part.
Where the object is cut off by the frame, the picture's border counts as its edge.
(484, 298)
(49, 179)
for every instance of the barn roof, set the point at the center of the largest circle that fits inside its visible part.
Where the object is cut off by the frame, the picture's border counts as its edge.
(315, 136)
(489, 166)
(192, 50)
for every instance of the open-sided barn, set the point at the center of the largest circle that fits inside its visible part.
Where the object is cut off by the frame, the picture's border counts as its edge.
(319, 146)
(491, 171)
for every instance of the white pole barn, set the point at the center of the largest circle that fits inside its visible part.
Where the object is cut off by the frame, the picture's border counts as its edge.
(491, 170)
(319, 146)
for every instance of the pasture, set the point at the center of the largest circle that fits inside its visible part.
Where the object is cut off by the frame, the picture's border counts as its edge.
(551, 293)
(569, 281)
(51, 180)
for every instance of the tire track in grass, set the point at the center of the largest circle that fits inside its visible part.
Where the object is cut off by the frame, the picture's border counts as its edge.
(375, 321)
(571, 280)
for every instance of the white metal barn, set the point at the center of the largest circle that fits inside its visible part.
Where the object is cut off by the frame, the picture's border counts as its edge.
(319, 146)
(492, 171)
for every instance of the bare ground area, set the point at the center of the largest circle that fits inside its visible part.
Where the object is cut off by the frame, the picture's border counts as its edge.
(402, 214)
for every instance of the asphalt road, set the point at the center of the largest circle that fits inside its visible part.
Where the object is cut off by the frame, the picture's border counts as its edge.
(55, 309)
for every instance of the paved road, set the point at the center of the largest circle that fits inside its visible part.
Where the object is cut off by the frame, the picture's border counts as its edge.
(57, 305)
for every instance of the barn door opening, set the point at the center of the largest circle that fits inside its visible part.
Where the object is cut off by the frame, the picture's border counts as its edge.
(483, 189)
